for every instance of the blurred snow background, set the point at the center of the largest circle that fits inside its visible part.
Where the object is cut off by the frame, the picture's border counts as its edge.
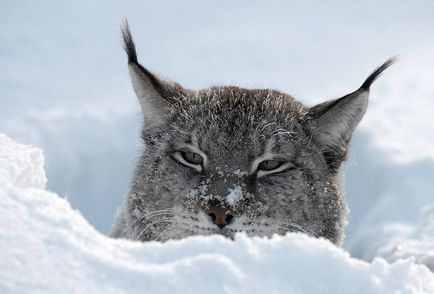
(64, 87)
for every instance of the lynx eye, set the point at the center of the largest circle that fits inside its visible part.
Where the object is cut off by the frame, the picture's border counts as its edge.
(190, 159)
(268, 165)
(272, 166)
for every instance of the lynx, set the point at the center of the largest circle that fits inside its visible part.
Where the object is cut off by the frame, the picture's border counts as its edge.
(225, 159)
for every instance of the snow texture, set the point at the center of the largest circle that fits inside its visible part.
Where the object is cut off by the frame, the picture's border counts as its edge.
(21, 165)
(48, 247)
(235, 195)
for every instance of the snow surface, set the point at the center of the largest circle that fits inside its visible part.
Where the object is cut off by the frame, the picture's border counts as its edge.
(46, 246)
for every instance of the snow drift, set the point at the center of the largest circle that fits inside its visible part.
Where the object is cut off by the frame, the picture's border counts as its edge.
(45, 246)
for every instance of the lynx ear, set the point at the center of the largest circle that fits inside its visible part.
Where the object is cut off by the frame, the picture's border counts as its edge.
(333, 122)
(155, 95)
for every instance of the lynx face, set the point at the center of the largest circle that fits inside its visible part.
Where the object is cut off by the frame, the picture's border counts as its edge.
(226, 160)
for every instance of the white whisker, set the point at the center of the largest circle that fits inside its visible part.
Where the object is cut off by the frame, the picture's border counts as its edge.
(154, 223)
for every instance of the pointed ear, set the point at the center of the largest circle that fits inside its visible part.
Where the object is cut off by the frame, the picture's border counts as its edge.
(333, 122)
(155, 95)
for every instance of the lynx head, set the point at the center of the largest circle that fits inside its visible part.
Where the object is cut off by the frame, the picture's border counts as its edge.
(225, 159)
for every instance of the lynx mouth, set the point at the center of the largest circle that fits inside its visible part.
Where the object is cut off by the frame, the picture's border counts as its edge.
(230, 233)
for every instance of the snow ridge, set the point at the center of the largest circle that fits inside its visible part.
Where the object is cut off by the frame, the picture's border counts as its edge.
(22, 166)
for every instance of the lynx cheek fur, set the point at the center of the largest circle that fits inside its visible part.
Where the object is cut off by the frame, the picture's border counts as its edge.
(225, 159)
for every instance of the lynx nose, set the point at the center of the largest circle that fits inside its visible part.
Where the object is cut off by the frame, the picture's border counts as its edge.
(220, 216)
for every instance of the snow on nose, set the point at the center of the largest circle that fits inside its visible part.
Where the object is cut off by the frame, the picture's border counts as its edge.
(235, 195)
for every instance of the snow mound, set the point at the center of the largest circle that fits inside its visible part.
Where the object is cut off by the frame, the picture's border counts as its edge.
(392, 211)
(21, 165)
(45, 246)
(404, 241)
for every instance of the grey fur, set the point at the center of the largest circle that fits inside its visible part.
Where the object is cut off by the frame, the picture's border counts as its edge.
(232, 127)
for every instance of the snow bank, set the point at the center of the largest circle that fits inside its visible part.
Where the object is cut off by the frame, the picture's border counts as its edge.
(45, 246)
(21, 165)
(416, 241)
(391, 204)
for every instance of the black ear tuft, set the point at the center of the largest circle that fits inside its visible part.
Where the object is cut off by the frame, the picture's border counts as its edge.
(376, 73)
(129, 46)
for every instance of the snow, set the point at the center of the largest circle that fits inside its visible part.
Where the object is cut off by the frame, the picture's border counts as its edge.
(396, 240)
(234, 196)
(408, 241)
(21, 165)
(48, 247)
(391, 209)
